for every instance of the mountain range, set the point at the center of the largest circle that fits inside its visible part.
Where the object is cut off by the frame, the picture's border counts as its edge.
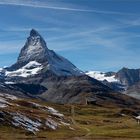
(126, 80)
(41, 73)
(43, 95)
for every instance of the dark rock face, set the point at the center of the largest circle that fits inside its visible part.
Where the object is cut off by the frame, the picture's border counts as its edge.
(22, 89)
(128, 77)
(73, 89)
(35, 48)
(109, 73)
(118, 87)
(129, 82)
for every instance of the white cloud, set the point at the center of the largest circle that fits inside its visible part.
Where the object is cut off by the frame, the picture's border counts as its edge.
(24, 29)
(37, 4)
(10, 46)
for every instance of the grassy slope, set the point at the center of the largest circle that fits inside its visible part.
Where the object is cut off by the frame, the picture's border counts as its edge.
(89, 122)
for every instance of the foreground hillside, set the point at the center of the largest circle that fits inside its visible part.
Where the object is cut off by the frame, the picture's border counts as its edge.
(39, 120)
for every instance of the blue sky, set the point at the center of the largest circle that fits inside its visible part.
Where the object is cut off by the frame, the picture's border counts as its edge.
(99, 35)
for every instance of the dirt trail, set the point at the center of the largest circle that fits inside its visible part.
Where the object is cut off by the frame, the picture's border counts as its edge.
(88, 131)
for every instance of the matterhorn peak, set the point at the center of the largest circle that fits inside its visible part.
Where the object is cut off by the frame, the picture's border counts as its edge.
(35, 48)
(35, 51)
(33, 32)
(35, 39)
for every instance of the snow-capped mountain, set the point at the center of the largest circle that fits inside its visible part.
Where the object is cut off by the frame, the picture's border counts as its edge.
(101, 76)
(109, 79)
(125, 80)
(35, 51)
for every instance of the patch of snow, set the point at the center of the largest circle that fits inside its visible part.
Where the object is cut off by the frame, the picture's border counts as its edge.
(2, 105)
(101, 76)
(64, 123)
(51, 124)
(8, 96)
(3, 102)
(32, 48)
(71, 128)
(4, 99)
(36, 105)
(29, 69)
(122, 114)
(1, 69)
(138, 117)
(49, 109)
(2, 94)
(25, 122)
(54, 112)
(32, 64)
(8, 82)
(11, 97)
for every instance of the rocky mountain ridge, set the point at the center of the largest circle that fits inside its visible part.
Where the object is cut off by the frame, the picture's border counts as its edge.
(125, 80)
(35, 50)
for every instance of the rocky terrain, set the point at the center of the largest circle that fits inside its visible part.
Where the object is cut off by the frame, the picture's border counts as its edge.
(29, 115)
(36, 119)
(125, 80)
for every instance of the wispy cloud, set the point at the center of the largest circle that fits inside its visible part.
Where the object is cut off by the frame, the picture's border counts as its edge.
(37, 4)
(24, 29)
(130, 22)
